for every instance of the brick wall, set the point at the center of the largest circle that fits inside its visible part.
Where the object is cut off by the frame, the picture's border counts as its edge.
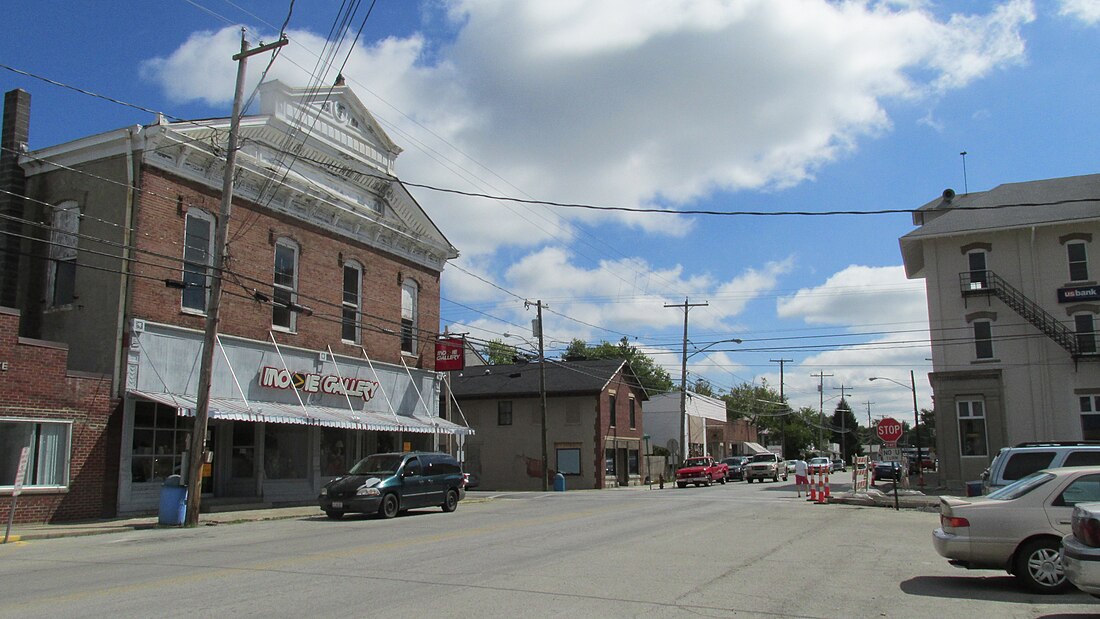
(36, 385)
(253, 232)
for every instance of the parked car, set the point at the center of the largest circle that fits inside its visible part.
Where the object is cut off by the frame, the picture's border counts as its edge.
(886, 470)
(790, 467)
(820, 464)
(1013, 463)
(735, 471)
(1081, 549)
(1017, 528)
(394, 482)
(838, 466)
(765, 466)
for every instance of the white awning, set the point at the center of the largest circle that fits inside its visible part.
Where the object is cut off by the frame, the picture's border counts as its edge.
(755, 448)
(273, 412)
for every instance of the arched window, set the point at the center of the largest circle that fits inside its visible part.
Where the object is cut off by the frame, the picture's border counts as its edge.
(198, 246)
(285, 288)
(352, 302)
(410, 292)
(61, 275)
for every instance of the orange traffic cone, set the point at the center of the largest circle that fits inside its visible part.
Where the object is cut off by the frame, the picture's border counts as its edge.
(826, 499)
(812, 495)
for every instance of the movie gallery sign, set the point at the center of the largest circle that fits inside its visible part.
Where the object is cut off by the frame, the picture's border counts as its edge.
(330, 384)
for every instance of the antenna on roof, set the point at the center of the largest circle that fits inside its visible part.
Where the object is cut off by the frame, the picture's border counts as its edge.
(966, 189)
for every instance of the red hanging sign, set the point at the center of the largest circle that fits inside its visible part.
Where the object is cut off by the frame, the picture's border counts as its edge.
(450, 354)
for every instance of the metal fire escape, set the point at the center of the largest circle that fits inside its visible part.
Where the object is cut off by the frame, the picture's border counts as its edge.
(985, 283)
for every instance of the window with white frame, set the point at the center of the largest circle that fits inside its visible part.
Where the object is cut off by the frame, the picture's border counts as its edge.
(285, 287)
(47, 444)
(1090, 417)
(409, 293)
(1078, 261)
(351, 306)
(160, 440)
(611, 410)
(983, 339)
(1084, 325)
(979, 273)
(61, 275)
(198, 245)
(972, 431)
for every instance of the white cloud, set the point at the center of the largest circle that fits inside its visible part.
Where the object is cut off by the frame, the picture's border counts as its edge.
(1088, 11)
(860, 295)
(628, 102)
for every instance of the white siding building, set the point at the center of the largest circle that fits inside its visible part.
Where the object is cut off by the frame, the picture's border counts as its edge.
(1012, 306)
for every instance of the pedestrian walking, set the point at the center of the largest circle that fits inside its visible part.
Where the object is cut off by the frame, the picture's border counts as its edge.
(801, 476)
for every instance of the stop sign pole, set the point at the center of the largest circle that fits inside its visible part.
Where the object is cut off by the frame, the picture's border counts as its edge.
(889, 430)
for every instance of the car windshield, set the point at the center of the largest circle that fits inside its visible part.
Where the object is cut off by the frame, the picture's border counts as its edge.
(819, 461)
(696, 462)
(1021, 486)
(764, 458)
(378, 464)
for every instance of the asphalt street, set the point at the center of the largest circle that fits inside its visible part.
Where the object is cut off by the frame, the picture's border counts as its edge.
(736, 550)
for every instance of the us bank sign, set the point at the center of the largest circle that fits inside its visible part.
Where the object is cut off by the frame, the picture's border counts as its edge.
(330, 384)
(1078, 294)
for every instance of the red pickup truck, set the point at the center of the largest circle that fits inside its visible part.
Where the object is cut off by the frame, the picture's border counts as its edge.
(701, 470)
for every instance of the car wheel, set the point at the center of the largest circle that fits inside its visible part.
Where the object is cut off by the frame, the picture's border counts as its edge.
(681, 485)
(722, 481)
(335, 514)
(389, 507)
(1039, 567)
(775, 478)
(450, 502)
(784, 478)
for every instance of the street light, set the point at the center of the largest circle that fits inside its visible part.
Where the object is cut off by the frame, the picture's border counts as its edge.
(683, 389)
(916, 420)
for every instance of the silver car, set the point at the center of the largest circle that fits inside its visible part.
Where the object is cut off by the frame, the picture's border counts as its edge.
(1081, 549)
(1018, 528)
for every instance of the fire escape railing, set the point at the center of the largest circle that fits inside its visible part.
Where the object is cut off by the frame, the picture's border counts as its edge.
(987, 282)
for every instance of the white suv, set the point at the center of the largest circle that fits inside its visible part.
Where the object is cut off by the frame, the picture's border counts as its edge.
(1012, 463)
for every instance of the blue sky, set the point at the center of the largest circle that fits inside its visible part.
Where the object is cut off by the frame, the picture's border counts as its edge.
(757, 105)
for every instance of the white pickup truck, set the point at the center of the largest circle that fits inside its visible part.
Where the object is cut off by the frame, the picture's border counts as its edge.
(765, 466)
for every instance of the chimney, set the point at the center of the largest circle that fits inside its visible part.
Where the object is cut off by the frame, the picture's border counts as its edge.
(14, 136)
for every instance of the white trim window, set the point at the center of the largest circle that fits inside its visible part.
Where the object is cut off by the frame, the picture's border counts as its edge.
(61, 275)
(198, 246)
(410, 293)
(983, 339)
(1085, 329)
(351, 303)
(48, 444)
(285, 288)
(1078, 261)
(979, 269)
(972, 430)
(1090, 417)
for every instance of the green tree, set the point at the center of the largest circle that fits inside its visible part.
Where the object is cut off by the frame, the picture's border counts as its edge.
(499, 353)
(652, 376)
(772, 417)
(845, 431)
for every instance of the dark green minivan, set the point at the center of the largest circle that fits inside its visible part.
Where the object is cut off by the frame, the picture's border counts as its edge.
(390, 483)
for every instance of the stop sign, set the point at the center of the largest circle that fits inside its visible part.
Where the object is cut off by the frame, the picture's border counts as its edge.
(889, 429)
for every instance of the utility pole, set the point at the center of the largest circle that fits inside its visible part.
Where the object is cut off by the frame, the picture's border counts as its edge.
(202, 399)
(868, 427)
(683, 377)
(842, 388)
(821, 376)
(783, 419)
(542, 391)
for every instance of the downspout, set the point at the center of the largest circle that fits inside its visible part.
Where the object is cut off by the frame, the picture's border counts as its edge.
(124, 281)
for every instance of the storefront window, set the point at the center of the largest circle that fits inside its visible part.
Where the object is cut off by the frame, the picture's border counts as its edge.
(609, 461)
(160, 438)
(48, 452)
(286, 451)
(334, 451)
(244, 450)
(569, 461)
(632, 461)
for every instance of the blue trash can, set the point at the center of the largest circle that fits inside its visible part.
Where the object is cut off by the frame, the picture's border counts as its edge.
(973, 488)
(559, 483)
(173, 502)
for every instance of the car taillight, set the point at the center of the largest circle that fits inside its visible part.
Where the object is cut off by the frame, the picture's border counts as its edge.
(1087, 530)
(953, 522)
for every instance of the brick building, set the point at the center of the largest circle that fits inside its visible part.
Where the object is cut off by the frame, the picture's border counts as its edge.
(64, 420)
(330, 309)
